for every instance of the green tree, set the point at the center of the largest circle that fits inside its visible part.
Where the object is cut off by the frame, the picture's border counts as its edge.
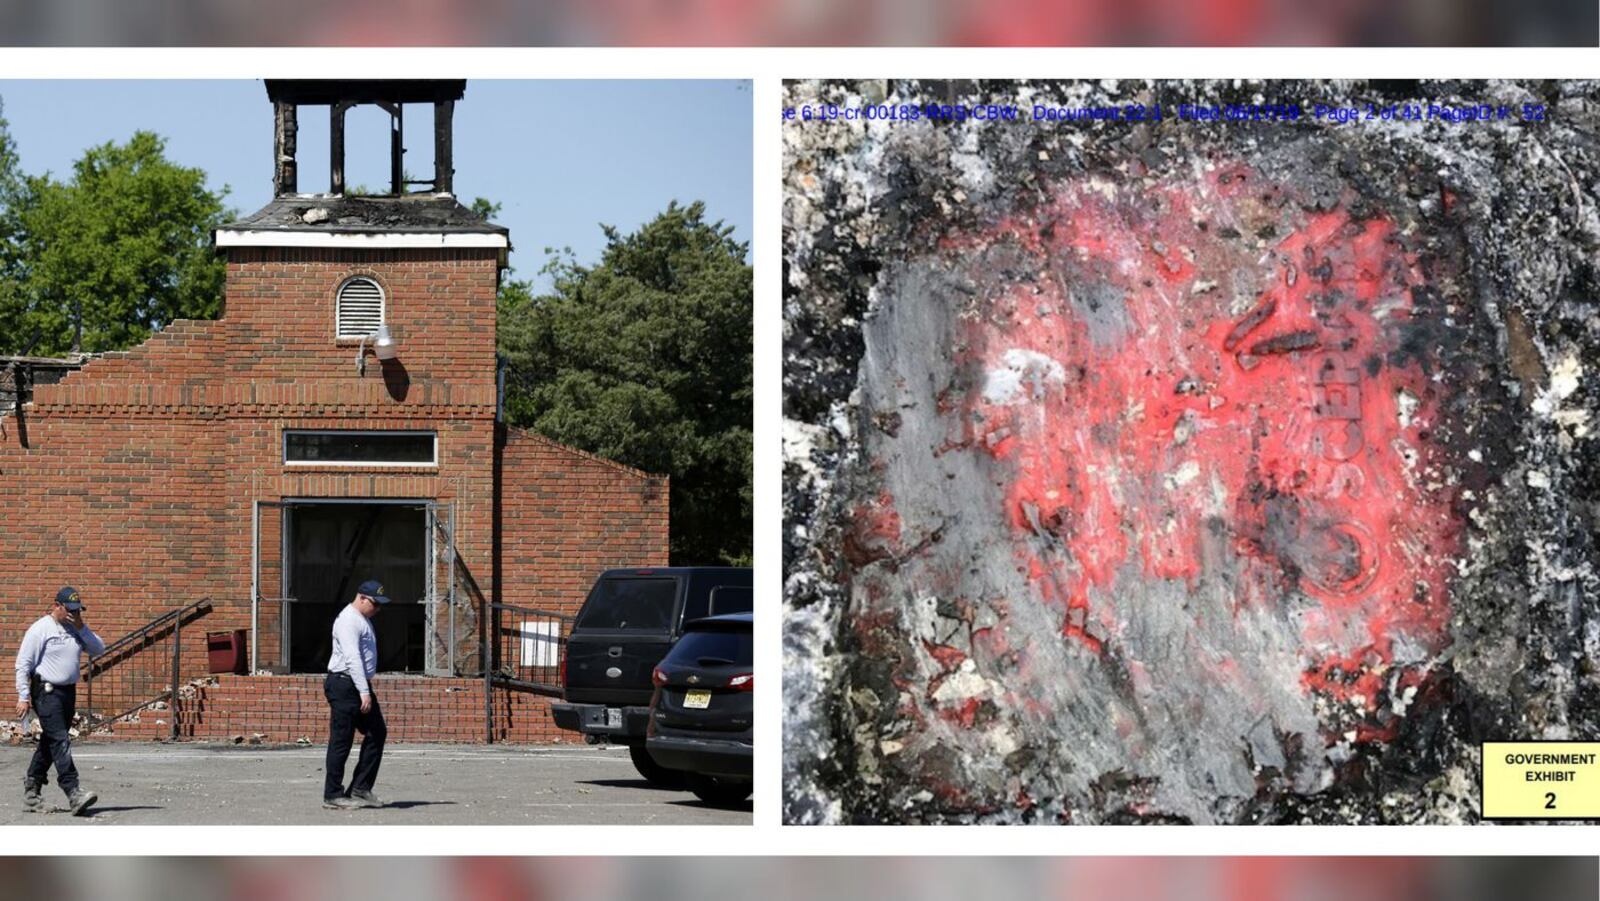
(11, 204)
(645, 358)
(485, 208)
(104, 259)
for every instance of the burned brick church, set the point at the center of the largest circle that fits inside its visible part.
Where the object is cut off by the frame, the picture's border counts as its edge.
(225, 485)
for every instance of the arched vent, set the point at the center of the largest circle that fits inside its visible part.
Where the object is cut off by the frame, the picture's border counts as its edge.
(360, 308)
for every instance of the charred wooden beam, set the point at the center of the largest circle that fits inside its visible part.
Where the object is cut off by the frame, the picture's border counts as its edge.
(286, 127)
(21, 377)
(397, 149)
(444, 172)
(336, 147)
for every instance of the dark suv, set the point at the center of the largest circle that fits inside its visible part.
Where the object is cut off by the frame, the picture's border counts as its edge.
(630, 620)
(702, 716)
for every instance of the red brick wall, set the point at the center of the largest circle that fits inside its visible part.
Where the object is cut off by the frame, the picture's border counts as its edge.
(120, 501)
(567, 515)
(139, 471)
(439, 306)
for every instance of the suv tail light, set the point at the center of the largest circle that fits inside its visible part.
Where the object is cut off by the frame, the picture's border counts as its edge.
(743, 682)
(562, 671)
(657, 677)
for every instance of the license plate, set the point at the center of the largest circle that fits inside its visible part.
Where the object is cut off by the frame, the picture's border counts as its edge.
(613, 718)
(697, 699)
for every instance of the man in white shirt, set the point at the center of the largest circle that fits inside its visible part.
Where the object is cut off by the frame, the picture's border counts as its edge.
(352, 704)
(47, 680)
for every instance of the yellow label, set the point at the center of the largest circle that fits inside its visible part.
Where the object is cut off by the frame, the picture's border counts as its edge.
(1547, 780)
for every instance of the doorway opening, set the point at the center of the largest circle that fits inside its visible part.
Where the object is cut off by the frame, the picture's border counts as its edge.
(332, 547)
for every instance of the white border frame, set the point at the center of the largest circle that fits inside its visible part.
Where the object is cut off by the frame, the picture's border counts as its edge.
(326, 464)
(767, 66)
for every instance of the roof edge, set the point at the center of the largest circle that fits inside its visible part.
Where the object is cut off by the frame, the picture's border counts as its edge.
(360, 240)
(530, 435)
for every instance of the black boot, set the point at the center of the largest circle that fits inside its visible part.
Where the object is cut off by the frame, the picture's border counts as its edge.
(80, 799)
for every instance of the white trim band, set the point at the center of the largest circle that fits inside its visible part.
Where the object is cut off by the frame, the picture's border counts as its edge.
(368, 240)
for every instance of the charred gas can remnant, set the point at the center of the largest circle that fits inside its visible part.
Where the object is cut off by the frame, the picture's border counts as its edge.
(1160, 526)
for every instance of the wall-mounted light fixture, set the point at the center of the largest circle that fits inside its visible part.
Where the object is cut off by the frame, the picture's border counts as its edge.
(384, 347)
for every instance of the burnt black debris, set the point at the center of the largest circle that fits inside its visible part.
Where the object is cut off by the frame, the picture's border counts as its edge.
(430, 213)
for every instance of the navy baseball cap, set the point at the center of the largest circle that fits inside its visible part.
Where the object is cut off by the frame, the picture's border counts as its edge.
(372, 588)
(68, 598)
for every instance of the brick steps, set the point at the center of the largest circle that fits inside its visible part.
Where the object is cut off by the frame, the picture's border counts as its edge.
(145, 729)
(285, 709)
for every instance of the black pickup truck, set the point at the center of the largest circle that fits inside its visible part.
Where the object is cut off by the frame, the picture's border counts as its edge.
(629, 622)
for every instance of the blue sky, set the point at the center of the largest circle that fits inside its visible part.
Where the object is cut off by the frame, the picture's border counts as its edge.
(561, 156)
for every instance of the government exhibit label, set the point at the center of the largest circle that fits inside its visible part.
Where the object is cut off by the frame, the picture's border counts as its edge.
(1545, 780)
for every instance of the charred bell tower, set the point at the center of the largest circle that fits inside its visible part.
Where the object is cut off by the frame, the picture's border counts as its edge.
(339, 96)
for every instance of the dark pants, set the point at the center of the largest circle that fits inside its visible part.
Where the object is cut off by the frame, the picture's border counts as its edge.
(55, 709)
(346, 718)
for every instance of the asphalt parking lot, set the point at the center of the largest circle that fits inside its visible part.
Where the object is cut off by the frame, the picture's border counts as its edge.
(206, 784)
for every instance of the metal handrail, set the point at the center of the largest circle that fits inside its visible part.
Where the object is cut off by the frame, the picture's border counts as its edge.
(491, 651)
(533, 611)
(144, 631)
(125, 645)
